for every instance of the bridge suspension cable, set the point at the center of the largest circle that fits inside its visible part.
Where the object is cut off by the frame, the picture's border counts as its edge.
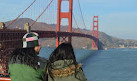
(41, 13)
(81, 14)
(75, 20)
(76, 23)
(21, 13)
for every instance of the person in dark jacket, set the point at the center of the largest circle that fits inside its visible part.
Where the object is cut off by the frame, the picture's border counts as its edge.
(24, 64)
(62, 65)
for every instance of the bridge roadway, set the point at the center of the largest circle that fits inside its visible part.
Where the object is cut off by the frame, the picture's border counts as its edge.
(10, 38)
(18, 34)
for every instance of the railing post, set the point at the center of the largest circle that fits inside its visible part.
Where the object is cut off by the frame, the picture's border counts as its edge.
(27, 27)
(2, 25)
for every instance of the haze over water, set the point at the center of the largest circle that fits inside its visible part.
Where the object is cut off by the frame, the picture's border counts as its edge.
(106, 65)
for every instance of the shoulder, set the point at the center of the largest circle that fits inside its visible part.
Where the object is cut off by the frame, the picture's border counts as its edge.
(23, 66)
(80, 74)
(15, 68)
(42, 62)
(42, 59)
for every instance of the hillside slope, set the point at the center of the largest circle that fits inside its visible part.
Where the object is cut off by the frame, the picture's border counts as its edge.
(105, 40)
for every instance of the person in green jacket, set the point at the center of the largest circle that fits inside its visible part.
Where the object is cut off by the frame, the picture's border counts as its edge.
(62, 65)
(24, 64)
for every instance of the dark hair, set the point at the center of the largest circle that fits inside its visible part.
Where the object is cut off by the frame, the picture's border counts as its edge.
(63, 52)
(25, 56)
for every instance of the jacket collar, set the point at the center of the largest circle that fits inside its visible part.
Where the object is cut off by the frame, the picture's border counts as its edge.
(60, 64)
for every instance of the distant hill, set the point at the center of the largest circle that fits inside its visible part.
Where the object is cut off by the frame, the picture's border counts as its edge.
(113, 42)
(105, 40)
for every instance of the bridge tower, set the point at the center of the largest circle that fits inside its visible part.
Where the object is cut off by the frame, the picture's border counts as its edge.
(95, 33)
(61, 15)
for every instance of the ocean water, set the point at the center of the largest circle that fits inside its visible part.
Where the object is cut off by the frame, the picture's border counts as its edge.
(79, 53)
(112, 65)
(105, 65)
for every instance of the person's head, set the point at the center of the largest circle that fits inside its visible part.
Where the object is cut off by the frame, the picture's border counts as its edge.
(63, 52)
(32, 40)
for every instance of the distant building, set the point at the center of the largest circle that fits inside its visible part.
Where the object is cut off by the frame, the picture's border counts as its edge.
(122, 46)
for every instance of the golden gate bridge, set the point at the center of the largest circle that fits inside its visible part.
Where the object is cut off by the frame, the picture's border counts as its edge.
(11, 37)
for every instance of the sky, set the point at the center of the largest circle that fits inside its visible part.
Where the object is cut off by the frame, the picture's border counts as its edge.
(117, 18)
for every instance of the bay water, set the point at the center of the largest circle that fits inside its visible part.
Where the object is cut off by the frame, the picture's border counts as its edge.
(105, 65)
